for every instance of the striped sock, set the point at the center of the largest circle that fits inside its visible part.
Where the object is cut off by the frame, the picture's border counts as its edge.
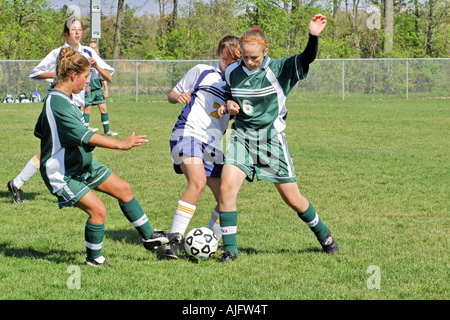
(105, 121)
(214, 224)
(183, 215)
(136, 215)
(313, 221)
(93, 236)
(86, 117)
(27, 172)
(228, 225)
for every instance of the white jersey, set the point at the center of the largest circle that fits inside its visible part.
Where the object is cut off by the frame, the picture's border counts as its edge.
(48, 64)
(199, 118)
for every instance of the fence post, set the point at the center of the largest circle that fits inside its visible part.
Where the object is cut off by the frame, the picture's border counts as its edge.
(407, 78)
(137, 81)
(343, 80)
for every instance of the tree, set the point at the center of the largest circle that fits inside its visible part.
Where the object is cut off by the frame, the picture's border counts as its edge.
(28, 28)
(388, 25)
(116, 50)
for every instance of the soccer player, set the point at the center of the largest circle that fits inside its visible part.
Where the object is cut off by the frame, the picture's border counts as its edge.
(67, 165)
(259, 86)
(46, 70)
(196, 140)
(95, 95)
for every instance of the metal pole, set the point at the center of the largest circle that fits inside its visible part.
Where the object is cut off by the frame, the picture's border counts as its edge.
(343, 80)
(137, 81)
(407, 78)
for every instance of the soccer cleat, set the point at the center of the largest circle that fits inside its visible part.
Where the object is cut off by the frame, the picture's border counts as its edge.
(227, 256)
(17, 193)
(99, 262)
(93, 129)
(329, 245)
(158, 238)
(111, 133)
(171, 249)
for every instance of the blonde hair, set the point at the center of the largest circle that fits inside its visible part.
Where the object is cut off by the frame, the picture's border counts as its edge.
(255, 35)
(70, 61)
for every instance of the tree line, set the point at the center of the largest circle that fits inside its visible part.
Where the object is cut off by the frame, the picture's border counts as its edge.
(29, 29)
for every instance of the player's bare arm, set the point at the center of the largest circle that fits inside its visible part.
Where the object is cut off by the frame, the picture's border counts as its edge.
(132, 141)
(175, 97)
(45, 76)
(103, 72)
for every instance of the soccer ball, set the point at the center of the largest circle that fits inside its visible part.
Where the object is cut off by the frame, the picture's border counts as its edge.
(201, 243)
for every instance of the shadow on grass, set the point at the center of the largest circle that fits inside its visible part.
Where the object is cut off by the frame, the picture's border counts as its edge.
(27, 196)
(131, 236)
(58, 256)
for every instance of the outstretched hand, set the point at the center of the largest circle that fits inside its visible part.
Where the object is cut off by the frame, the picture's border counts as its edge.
(317, 24)
(133, 141)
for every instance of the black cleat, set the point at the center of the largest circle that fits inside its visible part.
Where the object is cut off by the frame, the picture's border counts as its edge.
(227, 256)
(17, 193)
(171, 249)
(329, 245)
(159, 238)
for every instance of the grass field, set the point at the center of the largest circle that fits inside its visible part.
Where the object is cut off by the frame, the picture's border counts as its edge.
(377, 171)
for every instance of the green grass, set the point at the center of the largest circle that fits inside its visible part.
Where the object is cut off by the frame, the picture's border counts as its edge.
(377, 171)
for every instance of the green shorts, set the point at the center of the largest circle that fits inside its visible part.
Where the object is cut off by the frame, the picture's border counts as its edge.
(79, 185)
(94, 98)
(268, 159)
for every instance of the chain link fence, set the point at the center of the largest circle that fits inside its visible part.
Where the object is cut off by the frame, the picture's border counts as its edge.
(152, 80)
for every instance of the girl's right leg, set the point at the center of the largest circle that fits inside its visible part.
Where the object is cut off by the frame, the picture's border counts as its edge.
(95, 228)
(231, 182)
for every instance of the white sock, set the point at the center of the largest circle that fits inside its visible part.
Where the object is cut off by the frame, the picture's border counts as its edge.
(27, 172)
(214, 224)
(183, 214)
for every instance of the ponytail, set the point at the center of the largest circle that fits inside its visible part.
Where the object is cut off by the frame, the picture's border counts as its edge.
(70, 61)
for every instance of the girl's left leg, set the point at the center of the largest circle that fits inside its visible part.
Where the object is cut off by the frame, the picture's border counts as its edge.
(306, 212)
(214, 220)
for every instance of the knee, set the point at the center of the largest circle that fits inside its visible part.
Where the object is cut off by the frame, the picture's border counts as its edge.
(125, 192)
(98, 216)
(228, 193)
(197, 186)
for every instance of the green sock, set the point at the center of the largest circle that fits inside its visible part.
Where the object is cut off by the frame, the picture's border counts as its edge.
(105, 122)
(228, 226)
(313, 221)
(135, 214)
(86, 117)
(93, 235)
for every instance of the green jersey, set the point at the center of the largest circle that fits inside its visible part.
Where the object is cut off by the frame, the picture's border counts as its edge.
(262, 93)
(65, 152)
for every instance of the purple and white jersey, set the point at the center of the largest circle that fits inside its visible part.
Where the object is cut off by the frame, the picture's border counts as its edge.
(199, 118)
